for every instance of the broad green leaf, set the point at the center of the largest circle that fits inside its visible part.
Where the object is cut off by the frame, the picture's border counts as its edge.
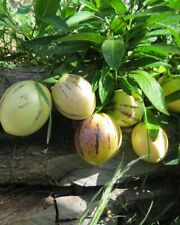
(3, 9)
(113, 52)
(57, 22)
(56, 49)
(44, 8)
(90, 37)
(154, 18)
(118, 25)
(41, 41)
(106, 86)
(6, 21)
(79, 17)
(174, 31)
(162, 32)
(124, 83)
(175, 4)
(157, 10)
(144, 62)
(89, 5)
(152, 2)
(118, 5)
(152, 124)
(170, 19)
(157, 50)
(151, 89)
(101, 4)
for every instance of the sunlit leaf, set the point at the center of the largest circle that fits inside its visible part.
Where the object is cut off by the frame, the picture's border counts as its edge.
(89, 5)
(158, 50)
(118, 5)
(91, 37)
(175, 4)
(79, 17)
(148, 12)
(153, 125)
(113, 52)
(151, 89)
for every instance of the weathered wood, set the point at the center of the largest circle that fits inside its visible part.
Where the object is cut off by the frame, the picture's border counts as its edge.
(31, 161)
(13, 74)
(36, 206)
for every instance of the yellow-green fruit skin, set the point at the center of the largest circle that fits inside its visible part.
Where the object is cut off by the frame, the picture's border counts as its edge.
(150, 151)
(73, 97)
(98, 138)
(127, 110)
(169, 87)
(23, 110)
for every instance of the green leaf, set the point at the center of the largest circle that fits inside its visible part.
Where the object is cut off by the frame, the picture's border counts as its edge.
(42, 93)
(161, 32)
(79, 17)
(57, 22)
(174, 4)
(169, 19)
(90, 37)
(3, 10)
(89, 5)
(118, 5)
(106, 86)
(152, 123)
(151, 89)
(157, 50)
(144, 62)
(113, 52)
(126, 85)
(44, 8)
(156, 10)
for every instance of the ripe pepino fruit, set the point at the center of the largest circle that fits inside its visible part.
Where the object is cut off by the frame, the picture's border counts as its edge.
(169, 87)
(73, 97)
(150, 151)
(127, 110)
(25, 107)
(98, 138)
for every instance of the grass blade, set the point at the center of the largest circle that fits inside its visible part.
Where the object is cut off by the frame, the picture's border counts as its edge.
(147, 214)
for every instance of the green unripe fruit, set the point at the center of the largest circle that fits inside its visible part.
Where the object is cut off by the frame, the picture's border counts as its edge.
(150, 151)
(98, 138)
(169, 87)
(23, 109)
(73, 97)
(127, 110)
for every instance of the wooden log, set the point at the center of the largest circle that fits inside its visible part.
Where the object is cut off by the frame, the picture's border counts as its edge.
(36, 205)
(13, 74)
(31, 161)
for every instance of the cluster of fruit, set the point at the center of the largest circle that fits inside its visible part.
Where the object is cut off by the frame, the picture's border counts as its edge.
(26, 106)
